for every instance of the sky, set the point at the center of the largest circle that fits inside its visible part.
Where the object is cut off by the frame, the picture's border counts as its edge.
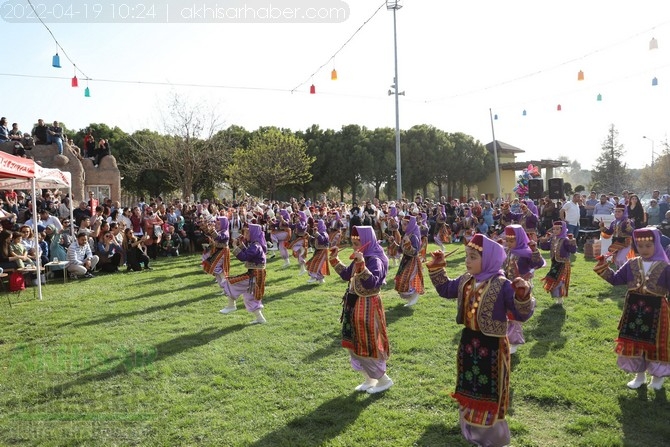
(458, 64)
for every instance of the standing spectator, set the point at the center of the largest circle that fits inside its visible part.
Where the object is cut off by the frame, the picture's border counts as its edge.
(653, 213)
(41, 132)
(570, 213)
(102, 151)
(635, 211)
(81, 261)
(604, 206)
(590, 205)
(55, 135)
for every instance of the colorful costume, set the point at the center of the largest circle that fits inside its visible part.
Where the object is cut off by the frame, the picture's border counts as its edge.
(521, 261)
(218, 259)
(392, 235)
(300, 242)
(249, 285)
(621, 232)
(424, 229)
(484, 300)
(409, 278)
(442, 229)
(335, 228)
(557, 281)
(281, 234)
(643, 343)
(318, 266)
(363, 319)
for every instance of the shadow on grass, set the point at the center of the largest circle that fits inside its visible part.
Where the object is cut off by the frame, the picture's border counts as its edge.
(143, 360)
(148, 310)
(638, 426)
(320, 426)
(617, 294)
(441, 435)
(548, 331)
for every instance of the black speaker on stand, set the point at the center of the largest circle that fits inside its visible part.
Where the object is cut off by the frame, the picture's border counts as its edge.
(535, 188)
(556, 188)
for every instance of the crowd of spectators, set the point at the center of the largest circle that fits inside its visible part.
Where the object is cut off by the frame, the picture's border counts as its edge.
(103, 236)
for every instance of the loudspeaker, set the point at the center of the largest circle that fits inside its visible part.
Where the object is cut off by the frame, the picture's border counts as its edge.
(556, 188)
(535, 188)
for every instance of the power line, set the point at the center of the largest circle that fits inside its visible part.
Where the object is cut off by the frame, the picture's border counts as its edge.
(338, 51)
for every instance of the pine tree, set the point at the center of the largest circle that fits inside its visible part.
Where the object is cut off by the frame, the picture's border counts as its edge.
(610, 174)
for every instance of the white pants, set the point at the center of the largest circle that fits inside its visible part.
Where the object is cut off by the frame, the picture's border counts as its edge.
(80, 269)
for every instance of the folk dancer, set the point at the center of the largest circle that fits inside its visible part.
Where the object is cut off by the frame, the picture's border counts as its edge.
(485, 297)
(218, 260)
(392, 236)
(363, 319)
(250, 248)
(318, 266)
(442, 228)
(621, 232)
(281, 234)
(644, 329)
(562, 245)
(300, 241)
(409, 278)
(522, 259)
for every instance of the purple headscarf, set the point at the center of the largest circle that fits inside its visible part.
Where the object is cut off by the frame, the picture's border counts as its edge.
(532, 207)
(424, 218)
(564, 228)
(393, 212)
(659, 253)
(413, 228)
(224, 227)
(256, 234)
(285, 214)
(367, 234)
(321, 226)
(303, 216)
(493, 255)
(521, 249)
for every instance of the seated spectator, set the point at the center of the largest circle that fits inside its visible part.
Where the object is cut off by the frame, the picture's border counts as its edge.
(41, 132)
(136, 251)
(15, 134)
(109, 253)
(55, 135)
(7, 260)
(169, 246)
(81, 261)
(19, 252)
(102, 151)
(28, 241)
(45, 219)
(81, 212)
(4, 131)
(89, 145)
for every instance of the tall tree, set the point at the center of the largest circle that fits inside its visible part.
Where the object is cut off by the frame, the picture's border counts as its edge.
(381, 145)
(349, 159)
(470, 164)
(188, 156)
(420, 150)
(275, 158)
(610, 173)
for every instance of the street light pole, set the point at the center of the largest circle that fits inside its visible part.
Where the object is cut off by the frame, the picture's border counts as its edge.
(652, 159)
(395, 5)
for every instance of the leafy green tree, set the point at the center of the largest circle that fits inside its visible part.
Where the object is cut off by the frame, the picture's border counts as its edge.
(318, 143)
(610, 173)
(420, 150)
(275, 158)
(381, 145)
(349, 159)
(471, 163)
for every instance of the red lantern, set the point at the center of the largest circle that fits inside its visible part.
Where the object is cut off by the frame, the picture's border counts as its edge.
(75, 81)
(558, 108)
(312, 90)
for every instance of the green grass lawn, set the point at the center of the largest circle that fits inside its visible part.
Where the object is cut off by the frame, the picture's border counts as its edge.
(146, 359)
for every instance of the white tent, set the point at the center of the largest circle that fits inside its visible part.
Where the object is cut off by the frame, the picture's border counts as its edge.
(24, 174)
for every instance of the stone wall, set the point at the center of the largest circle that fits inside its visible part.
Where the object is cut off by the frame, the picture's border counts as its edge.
(83, 172)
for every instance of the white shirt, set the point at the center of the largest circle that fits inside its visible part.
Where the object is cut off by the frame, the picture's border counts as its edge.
(571, 210)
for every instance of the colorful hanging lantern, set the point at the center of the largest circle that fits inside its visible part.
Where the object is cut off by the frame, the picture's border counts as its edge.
(654, 82)
(558, 108)
(580, 75)
(653, 44)
(312, 90)
(333, 75)
(87, 93)
(524, 112)
(55, 61)
(599, 97)
(75, 81)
